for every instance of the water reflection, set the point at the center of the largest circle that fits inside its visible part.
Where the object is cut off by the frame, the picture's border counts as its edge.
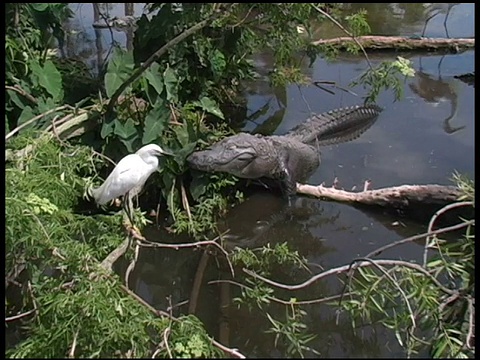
(435, 90)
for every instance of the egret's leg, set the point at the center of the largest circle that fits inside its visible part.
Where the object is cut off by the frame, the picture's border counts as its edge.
(445, 21)
(426, 22)
(128, 207)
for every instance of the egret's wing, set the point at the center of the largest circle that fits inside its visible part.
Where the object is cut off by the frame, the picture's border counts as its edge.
(128, 173)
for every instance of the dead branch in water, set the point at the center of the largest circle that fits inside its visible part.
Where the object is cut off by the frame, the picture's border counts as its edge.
(396, 196)
(400, 43)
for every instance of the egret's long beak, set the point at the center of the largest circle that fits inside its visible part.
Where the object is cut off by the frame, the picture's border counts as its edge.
(168, 153)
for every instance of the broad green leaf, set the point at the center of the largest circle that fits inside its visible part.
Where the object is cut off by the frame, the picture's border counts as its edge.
(155, 78)
(181, 154)
(171, 84)
(125, 130)
(44, 105)
(209, 106)
(155, 122)
(119, 69)
(49, 78)
(107, 129)
(182, 135)
(198, 185)
(15, 99)
(27, 114)
(129, 143)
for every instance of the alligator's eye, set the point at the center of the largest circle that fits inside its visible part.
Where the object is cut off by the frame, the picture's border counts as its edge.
(232, 147)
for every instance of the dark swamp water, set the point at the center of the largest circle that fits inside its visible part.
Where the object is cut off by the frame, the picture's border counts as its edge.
(420, 139)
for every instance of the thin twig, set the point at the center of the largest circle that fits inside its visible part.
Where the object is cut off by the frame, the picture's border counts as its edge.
(345, 31)
(245, 17)
(71, 354)
(104, 157)
(38, 117)
(165, 341)
(471, 323)
(147, 243)
(432, 222)
(420, 236)
(29, 312)
(346, 268)
(230, 351)
(281, 301)
(19, 316)
(18, 89)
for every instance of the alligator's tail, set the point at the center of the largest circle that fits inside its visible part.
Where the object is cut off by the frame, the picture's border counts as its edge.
(335, 126)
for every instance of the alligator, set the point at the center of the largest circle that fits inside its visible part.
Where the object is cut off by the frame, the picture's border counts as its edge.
(288, 158)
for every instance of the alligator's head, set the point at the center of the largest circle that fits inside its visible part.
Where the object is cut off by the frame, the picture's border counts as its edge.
(243, 155)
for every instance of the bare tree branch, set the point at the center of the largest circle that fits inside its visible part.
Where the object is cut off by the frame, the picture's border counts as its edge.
(346, 268)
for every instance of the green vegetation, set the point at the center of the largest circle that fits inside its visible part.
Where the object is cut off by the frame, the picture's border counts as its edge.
(429, 306)
(173, 89)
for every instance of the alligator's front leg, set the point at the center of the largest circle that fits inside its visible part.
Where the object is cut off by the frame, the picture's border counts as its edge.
(287, 180)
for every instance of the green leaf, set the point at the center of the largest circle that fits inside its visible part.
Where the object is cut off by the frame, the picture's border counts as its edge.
(171, 84)
(27, 114)
(48, 77)
(15, 99)
(119, 69)
(154, 77)
(107, 129)
(125, 130)
(217, 62)
(181, 154)
(128, 142)
(198, 186)
(155, 122)
(209, 106)
(182, 134)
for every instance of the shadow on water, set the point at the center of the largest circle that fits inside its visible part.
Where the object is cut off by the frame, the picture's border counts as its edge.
(420, 139)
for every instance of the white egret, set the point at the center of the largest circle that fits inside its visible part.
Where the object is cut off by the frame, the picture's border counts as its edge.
(129, 176)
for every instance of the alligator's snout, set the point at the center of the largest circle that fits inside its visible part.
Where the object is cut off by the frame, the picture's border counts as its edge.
(200, 161)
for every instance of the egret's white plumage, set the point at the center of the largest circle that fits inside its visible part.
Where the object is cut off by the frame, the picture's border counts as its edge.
(129, 175)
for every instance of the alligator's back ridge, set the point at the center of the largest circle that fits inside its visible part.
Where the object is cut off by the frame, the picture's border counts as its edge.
(334, 121)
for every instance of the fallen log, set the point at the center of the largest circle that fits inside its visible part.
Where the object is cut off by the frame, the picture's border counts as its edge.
(400, 43)
(400, 197)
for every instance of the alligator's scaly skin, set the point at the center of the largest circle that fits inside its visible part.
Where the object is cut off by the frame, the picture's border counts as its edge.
(289, 158)
(333, 123)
